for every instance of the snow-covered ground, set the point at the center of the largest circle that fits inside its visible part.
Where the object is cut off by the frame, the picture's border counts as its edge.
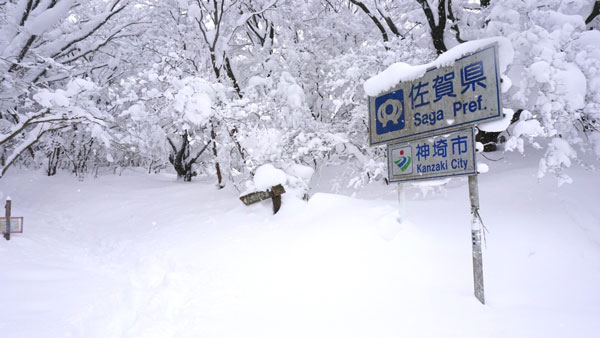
(141, 255)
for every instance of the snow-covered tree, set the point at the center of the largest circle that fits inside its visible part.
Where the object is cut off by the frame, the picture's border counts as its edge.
(553, 79)
(49, 56)
(222, 87)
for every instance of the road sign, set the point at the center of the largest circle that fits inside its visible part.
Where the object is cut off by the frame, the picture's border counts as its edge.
(444, 99)
(438, 156)
(16, 224)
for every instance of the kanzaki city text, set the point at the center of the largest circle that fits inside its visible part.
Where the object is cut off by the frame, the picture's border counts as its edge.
(432, 156)
(457, 163)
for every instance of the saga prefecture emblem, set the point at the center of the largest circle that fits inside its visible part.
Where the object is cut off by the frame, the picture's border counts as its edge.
(389, 112)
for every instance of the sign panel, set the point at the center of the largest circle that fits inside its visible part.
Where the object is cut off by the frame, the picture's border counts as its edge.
(438, 156)
(16, 224)
(444, 99)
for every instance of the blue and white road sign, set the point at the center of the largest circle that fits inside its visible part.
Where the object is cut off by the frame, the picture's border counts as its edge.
(442, 100)
(439, 156)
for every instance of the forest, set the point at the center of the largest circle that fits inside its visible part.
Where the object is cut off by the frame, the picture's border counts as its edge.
(219, 87)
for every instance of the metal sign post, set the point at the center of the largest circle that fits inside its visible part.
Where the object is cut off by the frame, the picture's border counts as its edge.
(439, 156)
(476, 229)
(401, 203)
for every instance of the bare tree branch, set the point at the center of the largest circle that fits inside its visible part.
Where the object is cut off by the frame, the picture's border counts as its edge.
(454, 22)
(376, 21)
(437, 29)
(595, 12)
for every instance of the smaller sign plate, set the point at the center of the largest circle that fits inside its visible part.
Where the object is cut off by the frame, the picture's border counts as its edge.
(16, 225)
(437, 156)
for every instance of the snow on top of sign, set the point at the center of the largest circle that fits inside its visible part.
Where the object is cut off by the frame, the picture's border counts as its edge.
(394, 74)
(400, 72)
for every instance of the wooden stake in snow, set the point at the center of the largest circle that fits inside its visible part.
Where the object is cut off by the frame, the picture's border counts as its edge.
(7, 208)
(476, 228)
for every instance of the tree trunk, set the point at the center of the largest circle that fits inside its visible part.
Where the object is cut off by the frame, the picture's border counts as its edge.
(53, 159)
(595, 12)
(182, 159)
(488, 139)
(437, 35)
(213, 136)
(375, 20)
(232, 77)
(437, 29)
(178, 157)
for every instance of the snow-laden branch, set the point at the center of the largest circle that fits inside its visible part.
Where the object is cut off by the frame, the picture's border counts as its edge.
(32, 137)
(375, 20)
(100, 44)
(62, 108)
(247, 16)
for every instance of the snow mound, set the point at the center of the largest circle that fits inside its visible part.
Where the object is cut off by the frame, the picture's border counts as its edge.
(572, 83)
(498, 125)
(267, 176)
